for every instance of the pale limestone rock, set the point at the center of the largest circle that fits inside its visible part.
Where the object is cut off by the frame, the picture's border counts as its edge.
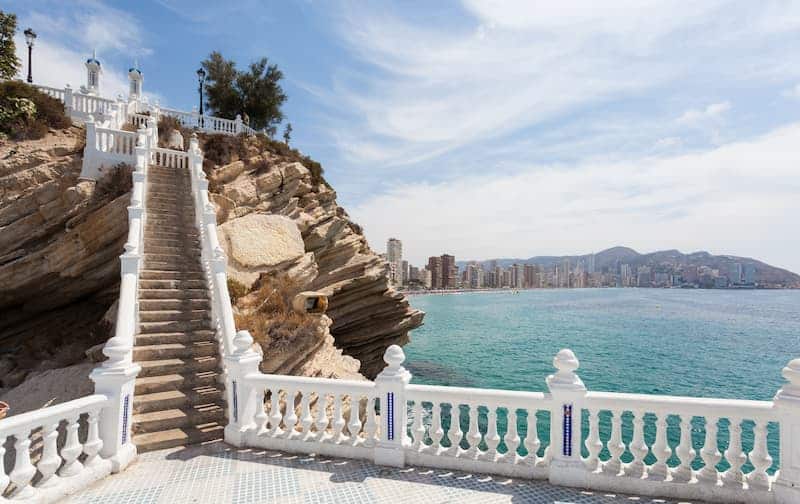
(175, 140)
(256, 243)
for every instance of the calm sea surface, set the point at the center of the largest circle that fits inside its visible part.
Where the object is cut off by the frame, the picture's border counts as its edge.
(711, 343)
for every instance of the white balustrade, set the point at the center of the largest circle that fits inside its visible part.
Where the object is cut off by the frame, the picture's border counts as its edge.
(60, 470)
(170, 158)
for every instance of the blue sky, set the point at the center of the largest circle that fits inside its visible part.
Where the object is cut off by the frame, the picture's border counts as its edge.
(489, 129)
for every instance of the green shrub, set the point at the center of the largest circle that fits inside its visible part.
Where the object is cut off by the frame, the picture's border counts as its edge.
(27, 113)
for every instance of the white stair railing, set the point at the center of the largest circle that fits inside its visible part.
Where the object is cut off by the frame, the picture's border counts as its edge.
(63, 466)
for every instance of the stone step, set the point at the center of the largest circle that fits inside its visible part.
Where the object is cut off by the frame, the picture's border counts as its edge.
(150, 305)
(156, 401)
(176, 418)
(173, 266)
(159, 233)
(178, 437)
(175, 337)
(174, 326)
(172, 222)
(181, 243)
(176, 366)
(169, 207)
(172, 284)
(173, 315)
(174, 350)
(192, 249)
(154, 274)
(173, 294)
(163, 383)
(181, 258)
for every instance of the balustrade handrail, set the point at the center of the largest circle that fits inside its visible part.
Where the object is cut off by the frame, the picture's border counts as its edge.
(666, 404)
(353, 387)
(465, 395)
(23, 423)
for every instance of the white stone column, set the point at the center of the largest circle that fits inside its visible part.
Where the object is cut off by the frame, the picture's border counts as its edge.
(568, 392)
(238, 124)
(390, 387)
(787, 404)
(68, 100)
(243, 400)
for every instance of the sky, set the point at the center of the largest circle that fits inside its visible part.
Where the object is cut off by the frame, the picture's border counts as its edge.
(490, 129)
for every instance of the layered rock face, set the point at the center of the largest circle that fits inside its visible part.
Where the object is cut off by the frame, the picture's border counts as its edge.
(60, 241)
(367, 314)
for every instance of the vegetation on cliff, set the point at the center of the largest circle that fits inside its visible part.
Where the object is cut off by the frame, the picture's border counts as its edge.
(27, 113)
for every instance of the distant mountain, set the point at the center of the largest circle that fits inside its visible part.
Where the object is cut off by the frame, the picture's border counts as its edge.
(610, 260)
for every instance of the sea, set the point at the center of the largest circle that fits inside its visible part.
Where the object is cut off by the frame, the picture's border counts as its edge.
(688, 342)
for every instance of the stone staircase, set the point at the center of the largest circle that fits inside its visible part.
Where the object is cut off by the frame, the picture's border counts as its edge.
(179, 399)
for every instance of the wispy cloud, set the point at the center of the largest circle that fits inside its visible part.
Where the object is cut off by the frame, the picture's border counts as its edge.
(434, 87)
(712, 112)
(725, 199)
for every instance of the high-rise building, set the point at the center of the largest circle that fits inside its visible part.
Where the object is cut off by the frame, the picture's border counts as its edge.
(404, 271)
(394, 255)
(735, 273)
(449, 272)
(749, 274)
(626, 275)
(591, 267)
(435, 267)
(565, 271)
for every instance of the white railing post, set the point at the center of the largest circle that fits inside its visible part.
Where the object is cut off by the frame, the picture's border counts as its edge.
(568, 392)
(787, 403)
(390, 387)
(238, 124)
(243, 402)
(68, 105)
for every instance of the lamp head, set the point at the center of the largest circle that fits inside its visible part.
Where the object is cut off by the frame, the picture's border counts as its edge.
(30, 37)
(201, 74)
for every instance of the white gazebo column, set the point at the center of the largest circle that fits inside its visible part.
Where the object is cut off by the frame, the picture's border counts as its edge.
(93, 71)
(568, 392)
(135, 79)
(390, 387)
(244, 402)
(787, 403)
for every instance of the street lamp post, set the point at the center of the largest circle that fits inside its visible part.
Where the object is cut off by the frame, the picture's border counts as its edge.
(201, 77)
(30, 37)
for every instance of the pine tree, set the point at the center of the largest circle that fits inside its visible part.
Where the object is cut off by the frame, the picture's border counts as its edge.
(287, 133)
(9, 63)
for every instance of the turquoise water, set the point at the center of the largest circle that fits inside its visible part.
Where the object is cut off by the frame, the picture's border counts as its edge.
(710, 343)
(714, 343)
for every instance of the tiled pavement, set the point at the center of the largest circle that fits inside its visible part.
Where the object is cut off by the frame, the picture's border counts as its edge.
(220, 473)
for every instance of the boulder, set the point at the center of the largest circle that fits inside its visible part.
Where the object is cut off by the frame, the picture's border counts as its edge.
(256, 243)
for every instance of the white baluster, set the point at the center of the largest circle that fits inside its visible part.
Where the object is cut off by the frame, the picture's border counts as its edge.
(615, 445)
(492, 439)
(454, 433)
(23, 470)
(321, 423)
(436, 432)
(72, 449)
(354, 426)
(685, 451)
(532, 442)
(371, 426)
(338, 419)
(734, 454)
(661, 450)
(50, 460)
(637, 447)
(306, 420)
(417, 428)
(760, 458)
(593, 444)
(261, 417)
(511, 437)
(4, 479)
(93, 443)
(275, 415)
(710, 453)
(290, 418)
(473, 434)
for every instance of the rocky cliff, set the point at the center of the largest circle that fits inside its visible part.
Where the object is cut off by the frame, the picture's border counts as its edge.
(60, 239)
